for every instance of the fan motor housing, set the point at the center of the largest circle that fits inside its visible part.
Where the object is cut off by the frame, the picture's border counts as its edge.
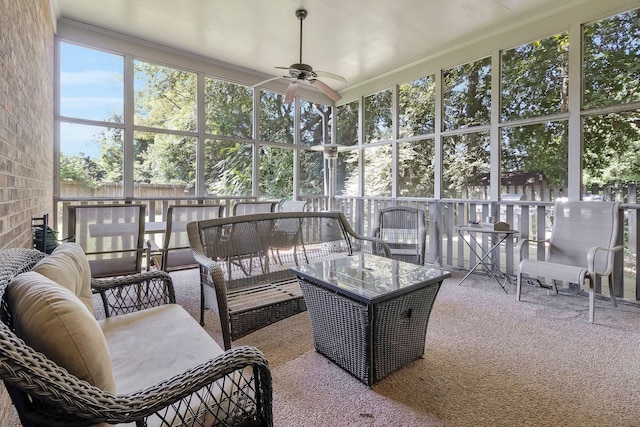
(301, 71)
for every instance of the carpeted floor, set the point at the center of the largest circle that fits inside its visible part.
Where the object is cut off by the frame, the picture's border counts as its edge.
(489, 361)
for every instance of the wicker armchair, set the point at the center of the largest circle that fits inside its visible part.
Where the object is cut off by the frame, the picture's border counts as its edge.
(403, 229)
(231, 389)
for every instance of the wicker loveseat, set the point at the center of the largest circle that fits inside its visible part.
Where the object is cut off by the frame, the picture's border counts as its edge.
(146, 362)
(245, 263)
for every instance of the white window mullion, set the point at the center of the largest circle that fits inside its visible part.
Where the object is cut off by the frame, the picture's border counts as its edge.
(574, 183)
(129, 116)
(494, 134)
(361, 148)
(296, 152)
(200, 142)
(255, 190)
(437, 137)
(395, 150)
(56, 122)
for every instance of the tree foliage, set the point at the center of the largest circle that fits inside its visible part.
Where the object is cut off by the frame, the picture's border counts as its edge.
(611, 72)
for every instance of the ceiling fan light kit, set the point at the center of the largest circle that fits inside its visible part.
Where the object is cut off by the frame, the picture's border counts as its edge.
(304, 73)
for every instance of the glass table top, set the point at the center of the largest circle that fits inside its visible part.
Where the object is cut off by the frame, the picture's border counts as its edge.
(369, 278)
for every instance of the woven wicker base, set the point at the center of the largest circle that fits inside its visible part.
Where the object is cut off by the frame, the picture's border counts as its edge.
(369, 340)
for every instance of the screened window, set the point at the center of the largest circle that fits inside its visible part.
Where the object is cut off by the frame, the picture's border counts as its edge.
(311, 173)
(465, 169)
(467, 95)
(276, 172)
(276, 118)
(378, 174)
(312, 119)
(347, 123)
(165, 98)
(228, 168)
(610, 67)
(228, 109)
(535, 79)
(91, 84)
(534, 160)
(89, 157)
(378, 119)
(416, 168)
(164, 160)
(347, 173)
(611, 150)
(417, 107)
(611, 73)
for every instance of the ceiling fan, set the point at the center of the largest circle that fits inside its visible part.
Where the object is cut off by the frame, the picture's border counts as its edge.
(304, 73)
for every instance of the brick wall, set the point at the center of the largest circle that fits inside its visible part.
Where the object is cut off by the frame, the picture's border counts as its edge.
(26, 127)
(26, 117)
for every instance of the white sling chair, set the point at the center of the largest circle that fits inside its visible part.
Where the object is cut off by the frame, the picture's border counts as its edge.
(581, 247)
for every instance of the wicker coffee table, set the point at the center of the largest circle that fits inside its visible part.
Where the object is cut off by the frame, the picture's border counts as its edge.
(369, 314)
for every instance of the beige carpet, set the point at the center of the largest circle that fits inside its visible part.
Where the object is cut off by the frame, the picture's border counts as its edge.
(489, 361)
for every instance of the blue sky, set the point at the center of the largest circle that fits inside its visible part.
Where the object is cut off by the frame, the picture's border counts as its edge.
(91, 87)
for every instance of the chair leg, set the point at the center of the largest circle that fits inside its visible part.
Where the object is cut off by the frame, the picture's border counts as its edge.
(518, 286)
(592, 303)
(613, 297)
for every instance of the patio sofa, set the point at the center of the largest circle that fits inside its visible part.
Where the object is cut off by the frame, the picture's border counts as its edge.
(145, 362)
(245, 260)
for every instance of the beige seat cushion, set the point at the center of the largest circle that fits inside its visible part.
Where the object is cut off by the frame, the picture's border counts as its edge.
(68, 266)
(152, 345)
(53, 321)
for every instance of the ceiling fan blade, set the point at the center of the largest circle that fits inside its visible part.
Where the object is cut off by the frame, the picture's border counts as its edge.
(330, 76)
(282, 68)
(291, 91)
(326, 89)
(268, 80)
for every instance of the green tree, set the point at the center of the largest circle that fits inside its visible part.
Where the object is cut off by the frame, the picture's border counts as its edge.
(535, 84)
(80, 168)
(417, 107)
(611, 73)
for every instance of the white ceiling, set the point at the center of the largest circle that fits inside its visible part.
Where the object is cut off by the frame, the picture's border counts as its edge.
(358, 39)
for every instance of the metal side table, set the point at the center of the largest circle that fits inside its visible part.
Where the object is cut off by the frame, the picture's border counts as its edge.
(487, 258)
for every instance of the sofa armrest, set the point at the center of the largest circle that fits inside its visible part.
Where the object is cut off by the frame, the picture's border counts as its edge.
(59, 397)
(231, 389)
(370, 245)
(135, 292)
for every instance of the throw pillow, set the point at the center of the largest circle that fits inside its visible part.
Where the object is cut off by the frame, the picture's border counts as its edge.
(68, 266)
(53, 321)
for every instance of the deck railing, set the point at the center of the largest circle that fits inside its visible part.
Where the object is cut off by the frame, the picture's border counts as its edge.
(444, 246)
(531, 219)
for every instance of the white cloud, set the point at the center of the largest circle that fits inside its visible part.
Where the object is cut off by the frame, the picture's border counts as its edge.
(89, 77)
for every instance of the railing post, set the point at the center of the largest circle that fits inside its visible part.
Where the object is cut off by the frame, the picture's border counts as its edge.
(618, 260)
(359, 216)
(435, 233)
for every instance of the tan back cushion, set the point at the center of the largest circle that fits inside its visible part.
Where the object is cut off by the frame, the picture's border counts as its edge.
(68, 266)
(53, 321)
